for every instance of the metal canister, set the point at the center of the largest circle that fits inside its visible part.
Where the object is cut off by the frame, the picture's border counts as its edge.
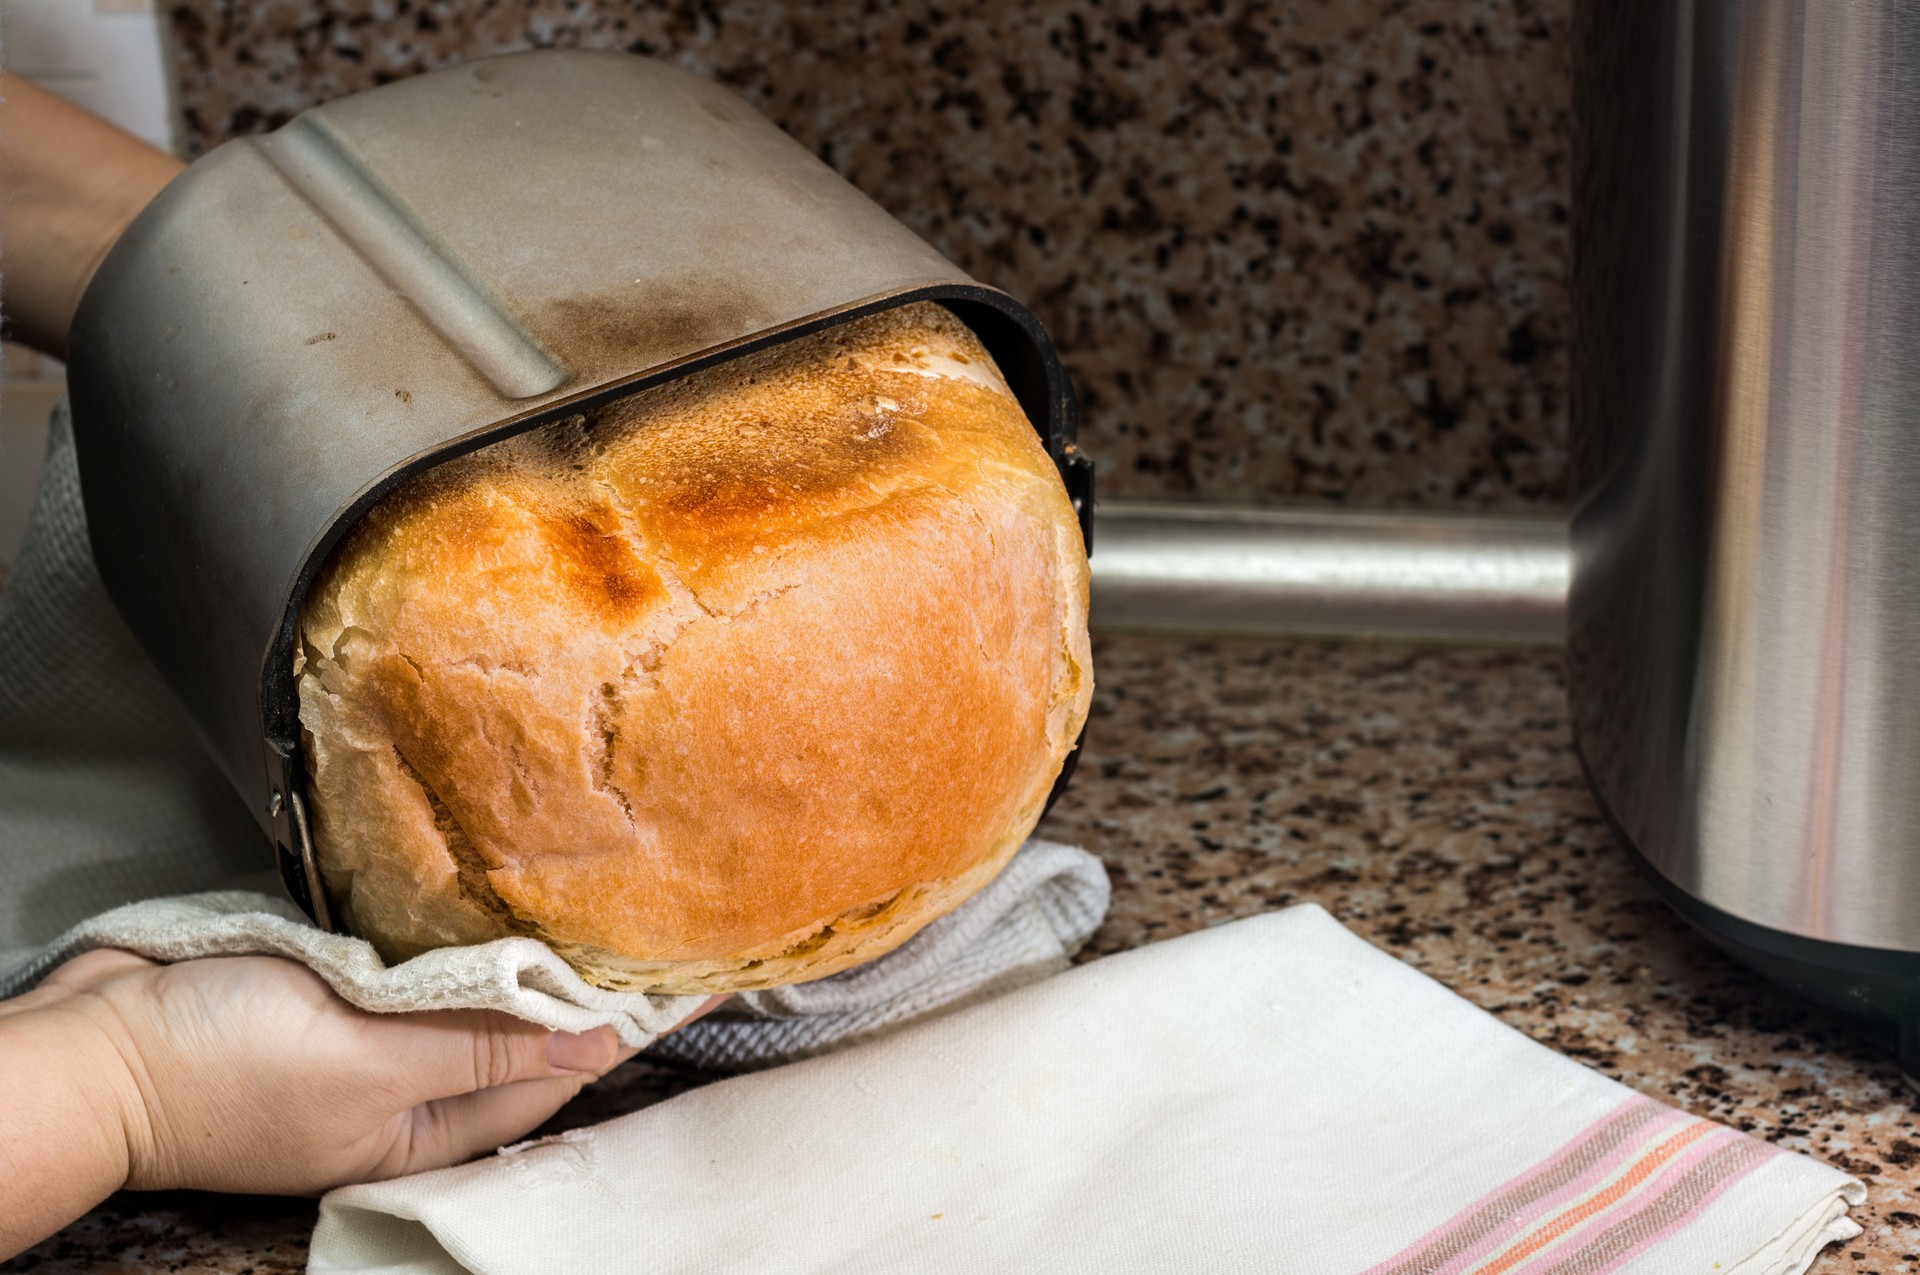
(1744, 623)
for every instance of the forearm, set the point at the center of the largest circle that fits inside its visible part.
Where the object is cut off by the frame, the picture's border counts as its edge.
(69, 184)
(63, 1145)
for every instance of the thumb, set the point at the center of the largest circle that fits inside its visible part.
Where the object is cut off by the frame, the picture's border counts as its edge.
(447, 1053)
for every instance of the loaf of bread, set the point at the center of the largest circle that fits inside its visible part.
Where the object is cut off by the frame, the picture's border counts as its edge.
(739, 681)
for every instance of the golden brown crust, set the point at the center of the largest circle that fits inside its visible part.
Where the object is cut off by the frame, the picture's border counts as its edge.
(740, 681)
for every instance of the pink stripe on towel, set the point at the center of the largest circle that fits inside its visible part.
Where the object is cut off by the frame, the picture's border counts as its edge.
(1616, 1188)
(1498, 1210)
(1686, 1194)
(1664, 1122)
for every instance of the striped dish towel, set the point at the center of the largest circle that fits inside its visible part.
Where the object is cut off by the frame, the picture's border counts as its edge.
(1273, 1095)
(1618, 1190)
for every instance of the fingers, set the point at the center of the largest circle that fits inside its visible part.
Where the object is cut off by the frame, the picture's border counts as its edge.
(485, 1079)
(443, 1055)
(450, 1130)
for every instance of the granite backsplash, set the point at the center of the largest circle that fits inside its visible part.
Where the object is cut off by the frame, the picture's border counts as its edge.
(1292, 252)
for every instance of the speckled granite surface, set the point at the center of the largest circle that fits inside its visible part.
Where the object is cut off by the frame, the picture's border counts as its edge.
(1429, 799)
(1300, 251)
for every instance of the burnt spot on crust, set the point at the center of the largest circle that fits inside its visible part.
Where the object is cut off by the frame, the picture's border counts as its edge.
(800, 442)
(784, 438)
(596, 562)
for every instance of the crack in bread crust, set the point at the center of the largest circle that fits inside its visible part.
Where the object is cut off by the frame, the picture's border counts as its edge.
(606, 715)
(469, 866)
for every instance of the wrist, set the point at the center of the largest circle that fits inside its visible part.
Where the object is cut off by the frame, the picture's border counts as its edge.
(66, 1122)
(86, 1073)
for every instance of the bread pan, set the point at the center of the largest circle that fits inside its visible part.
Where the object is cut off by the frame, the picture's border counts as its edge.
(304, 319)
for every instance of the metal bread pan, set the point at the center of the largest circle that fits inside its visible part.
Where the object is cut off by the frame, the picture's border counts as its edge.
(302, 320)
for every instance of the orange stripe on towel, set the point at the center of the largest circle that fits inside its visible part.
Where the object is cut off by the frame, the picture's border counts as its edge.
(1590, 1157)
(1636, 1174)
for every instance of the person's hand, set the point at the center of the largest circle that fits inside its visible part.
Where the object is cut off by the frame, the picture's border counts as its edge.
(249, 1074)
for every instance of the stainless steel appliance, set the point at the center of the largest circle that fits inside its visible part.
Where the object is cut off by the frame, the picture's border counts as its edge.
(302, 320)
(1744, 620)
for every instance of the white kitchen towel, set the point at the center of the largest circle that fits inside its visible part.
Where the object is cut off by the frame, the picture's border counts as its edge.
(107, 800)
(1270, 1096)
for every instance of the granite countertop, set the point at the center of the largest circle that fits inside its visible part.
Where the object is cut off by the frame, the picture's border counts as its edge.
(1426, 796)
